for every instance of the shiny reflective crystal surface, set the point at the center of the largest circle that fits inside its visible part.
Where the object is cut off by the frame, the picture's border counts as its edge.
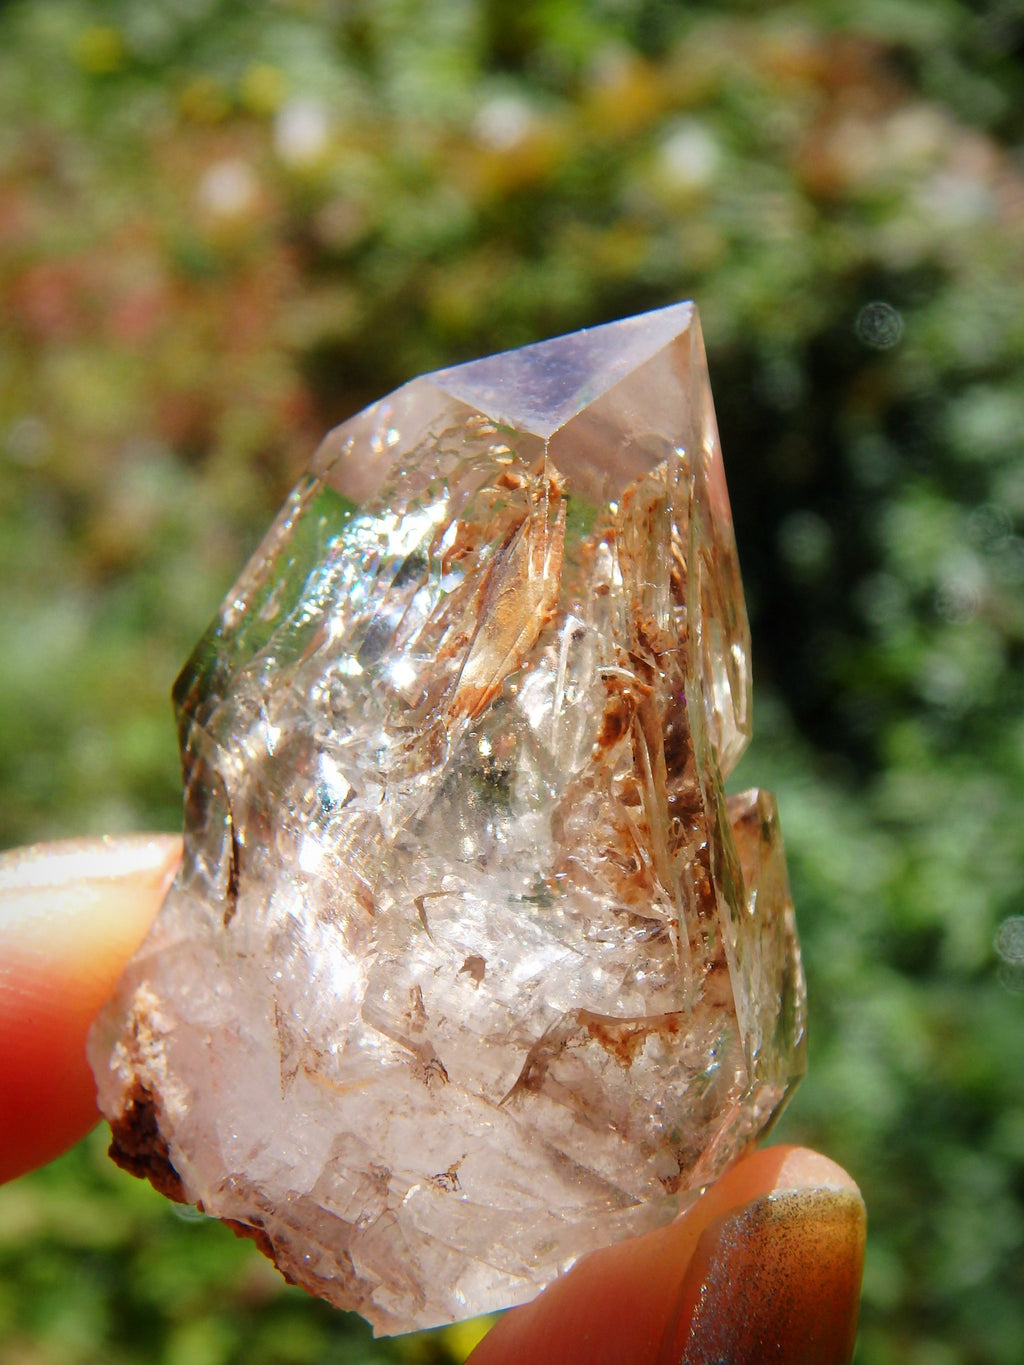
(471, 966)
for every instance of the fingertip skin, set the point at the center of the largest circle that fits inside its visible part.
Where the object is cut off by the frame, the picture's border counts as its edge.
(788, 1265)
(71, 915)
(786, 1214)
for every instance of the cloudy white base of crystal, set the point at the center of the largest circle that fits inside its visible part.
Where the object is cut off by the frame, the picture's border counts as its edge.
(470, 966)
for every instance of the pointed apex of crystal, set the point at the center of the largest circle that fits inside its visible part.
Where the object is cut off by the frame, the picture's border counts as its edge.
(539, 388)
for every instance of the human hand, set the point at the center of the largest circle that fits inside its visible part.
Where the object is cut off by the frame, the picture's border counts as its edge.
(765, 1267)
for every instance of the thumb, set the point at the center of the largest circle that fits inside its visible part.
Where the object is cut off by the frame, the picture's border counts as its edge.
(766, 1266)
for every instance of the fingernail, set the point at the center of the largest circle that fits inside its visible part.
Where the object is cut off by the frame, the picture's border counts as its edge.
(76, 861)
(777, 1279)
(73, 913)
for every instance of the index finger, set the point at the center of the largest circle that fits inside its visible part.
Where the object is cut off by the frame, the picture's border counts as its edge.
(71, 915)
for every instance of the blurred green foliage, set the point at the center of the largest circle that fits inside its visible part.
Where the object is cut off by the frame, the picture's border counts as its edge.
(225, 225)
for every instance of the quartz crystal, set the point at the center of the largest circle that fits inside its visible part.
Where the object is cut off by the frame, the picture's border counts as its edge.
(471, 966)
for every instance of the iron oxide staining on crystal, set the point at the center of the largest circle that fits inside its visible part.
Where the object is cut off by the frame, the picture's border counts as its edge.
(471, 966)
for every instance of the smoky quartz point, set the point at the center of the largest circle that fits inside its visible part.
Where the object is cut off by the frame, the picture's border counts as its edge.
(471, 966)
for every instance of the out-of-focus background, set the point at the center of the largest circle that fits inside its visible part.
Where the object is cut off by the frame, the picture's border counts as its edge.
(227, 224)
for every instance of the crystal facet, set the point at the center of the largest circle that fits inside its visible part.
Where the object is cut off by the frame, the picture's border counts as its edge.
(471, 966)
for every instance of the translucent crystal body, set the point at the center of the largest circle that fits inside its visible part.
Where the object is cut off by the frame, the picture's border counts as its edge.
(471, 966)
